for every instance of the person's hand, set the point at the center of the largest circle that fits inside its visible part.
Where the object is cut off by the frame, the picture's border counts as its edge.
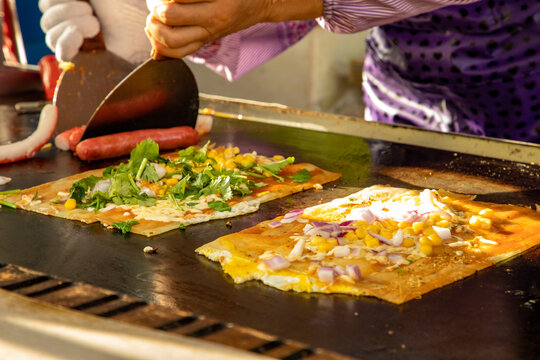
(66, 24)
(178, 28)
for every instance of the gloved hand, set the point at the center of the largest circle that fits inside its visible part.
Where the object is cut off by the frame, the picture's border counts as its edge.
(66, 23)
(122, 25)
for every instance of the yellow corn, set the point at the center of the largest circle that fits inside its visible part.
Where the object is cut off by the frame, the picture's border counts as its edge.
(435, 217)
(374, 228)
(426, 249)
(317, 239)
(263, 193)
(360, 223)
(278, 157)
(435, 239)
(443, 223)
(424, 240)
(229, 152)
(171, 181)
(70, 204)
(428, 231)
(360, 232)
(371, 241)
(161, 191)
(230, 164)
(409, 231)
(387, 234)
(418, 226)
(403, 225)
(212, 153)
(480, 222)
(486, 212)
(351, 236)
(408, 242)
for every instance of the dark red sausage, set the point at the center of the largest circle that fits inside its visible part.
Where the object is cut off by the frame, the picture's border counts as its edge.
(120, 144)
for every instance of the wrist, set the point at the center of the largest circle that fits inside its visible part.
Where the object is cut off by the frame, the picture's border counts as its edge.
(288, 10)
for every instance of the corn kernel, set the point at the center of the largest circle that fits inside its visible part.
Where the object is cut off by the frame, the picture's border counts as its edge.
(435, 239)
(171, 181)
(429, 222)
(374, 228)
(443, 223)
(161, 191)
(417, 200)
(403, 224)
(486, 212)
(249, 158)
(278, 157)
(212, 153)
(351, 236)
(408, 231)
(424, 240)
(426, 249)
(435, 217)
(417, 226)
(236, 150)
(408, 242)
(324, 247)
(360, 233)
(428, 231)
(70, 204)
(332, 241)
(317, 239)
(387, 234)
(360, 223)
(230, 164)
(371, 241)
(169, 168)
(480, 222)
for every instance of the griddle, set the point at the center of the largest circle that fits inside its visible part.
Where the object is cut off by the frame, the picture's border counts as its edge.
(492, 314)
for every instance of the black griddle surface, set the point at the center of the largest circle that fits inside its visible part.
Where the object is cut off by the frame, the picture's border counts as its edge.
(493, 314)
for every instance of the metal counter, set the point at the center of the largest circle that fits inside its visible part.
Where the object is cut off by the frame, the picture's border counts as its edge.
(493, 314)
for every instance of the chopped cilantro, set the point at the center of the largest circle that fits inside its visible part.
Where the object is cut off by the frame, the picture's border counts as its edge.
(191, 203)
(125, 226)
(10, 192)
(400, 271)
(8, 204)
(301, 176)
(182, 227)
(219, 206)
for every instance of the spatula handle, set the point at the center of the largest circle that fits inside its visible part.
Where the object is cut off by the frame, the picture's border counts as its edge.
(95, 43)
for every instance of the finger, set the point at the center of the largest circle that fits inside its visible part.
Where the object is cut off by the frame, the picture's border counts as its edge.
(63, 12)
(176, 37)
(177, 53)
(68, 44)
(175, 14)
(87, 25)
(44, 5)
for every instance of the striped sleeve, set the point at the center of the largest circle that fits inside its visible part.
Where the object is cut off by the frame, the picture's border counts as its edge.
(349, 16)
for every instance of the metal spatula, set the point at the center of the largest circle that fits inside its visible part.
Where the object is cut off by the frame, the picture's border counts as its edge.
(107, 94)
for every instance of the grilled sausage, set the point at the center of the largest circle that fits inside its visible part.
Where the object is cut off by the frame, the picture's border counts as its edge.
(119, 144)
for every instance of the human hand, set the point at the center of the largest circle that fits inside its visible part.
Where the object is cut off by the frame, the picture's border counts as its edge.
(66, 24)
(178, 28)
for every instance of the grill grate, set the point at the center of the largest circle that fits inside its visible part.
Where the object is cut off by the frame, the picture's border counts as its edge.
(100, 302)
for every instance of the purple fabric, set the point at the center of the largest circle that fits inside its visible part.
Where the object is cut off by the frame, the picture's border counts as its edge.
(467, 68)
(472, 69)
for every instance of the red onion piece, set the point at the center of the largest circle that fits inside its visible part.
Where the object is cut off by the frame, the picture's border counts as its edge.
(397, 239)
(274, 224)
(395, 257)
(325, 274)
(354, 272)
(381, 238)
(292, 216)
(4, 180)
(363, 214)
(341, 251)
(276, 263)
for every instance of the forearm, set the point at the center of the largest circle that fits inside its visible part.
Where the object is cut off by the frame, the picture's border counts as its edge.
(349, 16)
(287, 10)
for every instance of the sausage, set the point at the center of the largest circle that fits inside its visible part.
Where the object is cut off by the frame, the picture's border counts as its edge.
(120, 144)
(69, 139)
(29, 146)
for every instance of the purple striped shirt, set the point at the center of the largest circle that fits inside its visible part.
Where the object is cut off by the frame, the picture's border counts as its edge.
(241, 52)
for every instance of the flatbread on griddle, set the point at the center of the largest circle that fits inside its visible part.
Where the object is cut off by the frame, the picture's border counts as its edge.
(482, 234)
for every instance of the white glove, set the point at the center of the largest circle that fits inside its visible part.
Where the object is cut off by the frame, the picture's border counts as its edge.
(122, 26)
(66, 23)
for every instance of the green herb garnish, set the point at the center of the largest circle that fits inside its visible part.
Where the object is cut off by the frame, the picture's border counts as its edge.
(301, 176)
(8, 204)
(219, 206)
(125, 226)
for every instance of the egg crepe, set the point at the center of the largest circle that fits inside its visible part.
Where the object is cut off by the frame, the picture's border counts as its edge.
(153, 194)
(391, 243)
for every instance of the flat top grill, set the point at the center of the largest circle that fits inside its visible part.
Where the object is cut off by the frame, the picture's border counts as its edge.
(495, 313)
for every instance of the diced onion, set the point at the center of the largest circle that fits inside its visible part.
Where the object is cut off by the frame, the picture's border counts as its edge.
(160, 169)
(395, 257)
(102, 186)
(276, 263)
(397, 239)
(362, 214)
(292, 216)
(108, 207)
(274, 224)
(444, 233)
(298, 249)
(149, 192)
(354, 272)
(325, 274)
(381, 238)
(341, 251)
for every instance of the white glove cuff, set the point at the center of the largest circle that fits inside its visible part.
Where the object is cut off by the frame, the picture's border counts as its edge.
(69, 43)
